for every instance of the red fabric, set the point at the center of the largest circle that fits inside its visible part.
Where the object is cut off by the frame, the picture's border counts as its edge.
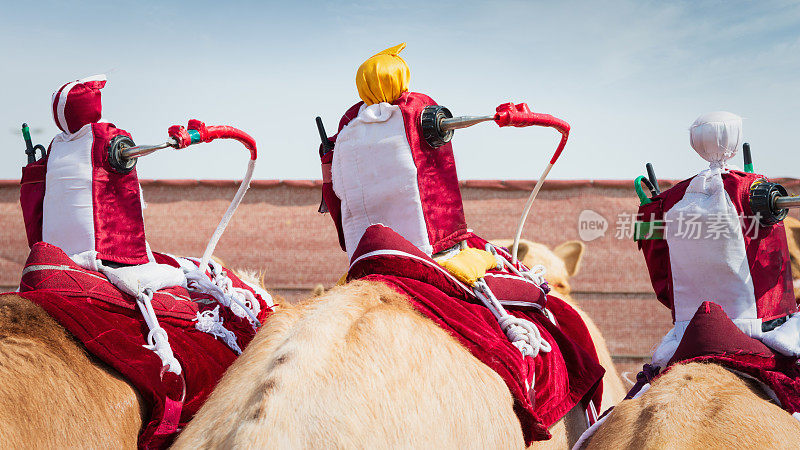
(436, 176)
(200, 127)
(509, 114)
(181, 136)
(712, 337)
(31, 198)
(83, 105)
(108, 323)
(332, 202)
(437, 179)
(768, 253)
(569, 374)
(118, 218)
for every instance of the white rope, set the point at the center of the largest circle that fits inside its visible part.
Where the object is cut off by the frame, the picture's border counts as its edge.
(237, 199)
(527, 209)
(522, 333)
(535, 274)
(157, 340)
(241, 301)
(210, 322)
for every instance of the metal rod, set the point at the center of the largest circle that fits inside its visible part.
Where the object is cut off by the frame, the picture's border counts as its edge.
(142, 150)
(786, 202)
(29, 150)
(462, 122)
(651, 175)
(748, 158)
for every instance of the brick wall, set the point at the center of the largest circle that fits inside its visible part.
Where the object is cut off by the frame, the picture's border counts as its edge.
(278, 230)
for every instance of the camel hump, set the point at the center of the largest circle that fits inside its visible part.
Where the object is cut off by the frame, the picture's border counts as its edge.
(46, 374)
(698, 405)
(356, 367)
(27, 322)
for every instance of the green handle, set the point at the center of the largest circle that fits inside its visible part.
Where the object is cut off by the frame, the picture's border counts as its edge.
(637, 186)
(26, 132)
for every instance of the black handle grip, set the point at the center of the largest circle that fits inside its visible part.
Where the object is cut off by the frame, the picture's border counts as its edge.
(326, 144)
(651, 175)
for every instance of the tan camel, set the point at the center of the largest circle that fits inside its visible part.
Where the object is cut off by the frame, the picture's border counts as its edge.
(793, 237)
(53, 394)
(358, 367)
(698, 405)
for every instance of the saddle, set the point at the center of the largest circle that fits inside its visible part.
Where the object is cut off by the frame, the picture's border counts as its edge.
(545, 386)
(205, 335)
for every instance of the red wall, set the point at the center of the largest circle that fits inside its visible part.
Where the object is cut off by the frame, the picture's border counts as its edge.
(278, 230)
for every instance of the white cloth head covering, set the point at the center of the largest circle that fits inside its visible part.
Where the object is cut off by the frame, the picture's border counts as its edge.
(716, 136)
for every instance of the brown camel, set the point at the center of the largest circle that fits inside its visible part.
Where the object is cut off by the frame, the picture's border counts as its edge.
(359, 367)
(53, 394)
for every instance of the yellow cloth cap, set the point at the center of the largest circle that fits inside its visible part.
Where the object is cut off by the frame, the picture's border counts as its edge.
(469, 264)
(383, 77)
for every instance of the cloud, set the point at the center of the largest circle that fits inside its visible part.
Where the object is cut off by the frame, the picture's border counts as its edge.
(630, 76)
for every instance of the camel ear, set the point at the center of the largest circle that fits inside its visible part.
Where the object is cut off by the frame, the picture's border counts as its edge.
(522, 249)
(571, 252)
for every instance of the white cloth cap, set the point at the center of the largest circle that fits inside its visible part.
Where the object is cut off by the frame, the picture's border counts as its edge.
(716, 136)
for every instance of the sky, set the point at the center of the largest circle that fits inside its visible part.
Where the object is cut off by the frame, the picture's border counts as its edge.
(629, 76)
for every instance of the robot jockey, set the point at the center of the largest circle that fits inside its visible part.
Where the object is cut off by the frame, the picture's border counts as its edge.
(391, 187)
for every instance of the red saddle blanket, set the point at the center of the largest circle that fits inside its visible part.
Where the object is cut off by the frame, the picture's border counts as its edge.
(111, 327)
(561, 378)
(712, 337)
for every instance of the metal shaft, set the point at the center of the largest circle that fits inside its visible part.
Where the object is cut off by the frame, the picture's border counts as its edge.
(786, 202)
(142, 150)
(462, 122)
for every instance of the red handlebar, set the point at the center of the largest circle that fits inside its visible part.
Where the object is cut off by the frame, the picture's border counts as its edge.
(209, 133)
(509, 114)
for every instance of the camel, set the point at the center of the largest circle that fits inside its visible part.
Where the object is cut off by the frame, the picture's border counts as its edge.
(357, 366)
(54, 394)
(704, 405)
(698, 405)
(792, 226)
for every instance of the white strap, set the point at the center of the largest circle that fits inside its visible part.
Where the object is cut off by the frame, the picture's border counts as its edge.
(527, 209)
(157, 340)
(237, 199)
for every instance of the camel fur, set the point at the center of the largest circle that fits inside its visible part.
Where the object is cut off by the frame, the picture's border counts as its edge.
(53, 393)
(792, 226)
(358, 367)
(698, 405)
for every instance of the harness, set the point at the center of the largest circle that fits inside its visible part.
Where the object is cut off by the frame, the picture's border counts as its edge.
(537, 343)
